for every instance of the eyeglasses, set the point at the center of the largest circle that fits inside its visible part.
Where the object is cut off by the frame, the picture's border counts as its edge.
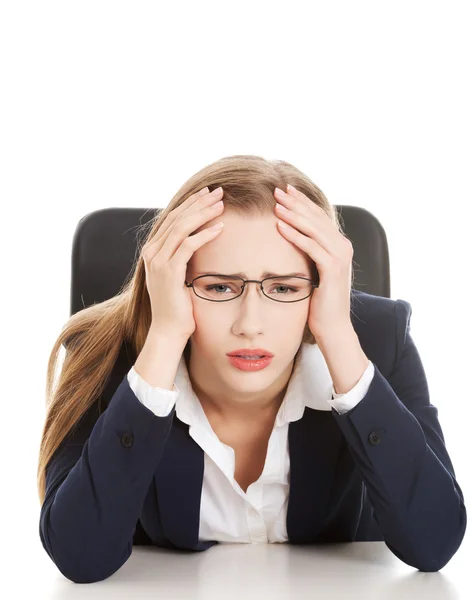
(293, 289)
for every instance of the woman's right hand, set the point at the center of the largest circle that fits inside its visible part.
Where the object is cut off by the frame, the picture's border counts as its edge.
(166, 257)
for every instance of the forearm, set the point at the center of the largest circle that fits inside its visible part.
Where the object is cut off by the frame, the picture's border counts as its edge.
(344, 357)
(159, 359)
(410, 483)
(96, 485)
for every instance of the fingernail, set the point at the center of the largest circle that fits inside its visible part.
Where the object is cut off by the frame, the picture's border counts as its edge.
(216, 227)
(217, 191)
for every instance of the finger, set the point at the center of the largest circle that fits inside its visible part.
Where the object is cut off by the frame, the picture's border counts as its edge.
(316, 252)
(188, 247)
(183, 228)
(191, 204)
(311, 227)
(300, 203)
(201, 202)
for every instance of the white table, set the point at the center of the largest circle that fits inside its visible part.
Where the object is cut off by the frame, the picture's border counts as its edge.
(364, 570)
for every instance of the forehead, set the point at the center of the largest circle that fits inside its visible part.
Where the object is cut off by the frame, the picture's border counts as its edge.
(249, 247)
(246, 275)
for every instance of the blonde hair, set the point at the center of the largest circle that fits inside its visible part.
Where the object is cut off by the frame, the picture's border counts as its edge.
(93, 337)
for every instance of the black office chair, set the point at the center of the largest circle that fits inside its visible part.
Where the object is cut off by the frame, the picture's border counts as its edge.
(104, 251)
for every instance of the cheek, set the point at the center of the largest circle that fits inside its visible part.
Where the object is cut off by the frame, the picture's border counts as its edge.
(303, 315)
(206, 318)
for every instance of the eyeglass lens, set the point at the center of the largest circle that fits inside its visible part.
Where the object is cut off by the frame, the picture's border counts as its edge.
(282, 289)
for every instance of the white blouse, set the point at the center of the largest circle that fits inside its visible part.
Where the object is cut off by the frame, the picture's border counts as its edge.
(227, 513)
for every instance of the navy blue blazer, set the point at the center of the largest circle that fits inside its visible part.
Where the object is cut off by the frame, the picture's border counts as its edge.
(380, 472)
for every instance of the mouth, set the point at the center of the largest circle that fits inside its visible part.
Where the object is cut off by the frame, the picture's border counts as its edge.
(251, 353)
(247, 363)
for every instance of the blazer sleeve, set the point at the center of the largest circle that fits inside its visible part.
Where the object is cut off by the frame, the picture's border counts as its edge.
(398, 445)
(96, 483)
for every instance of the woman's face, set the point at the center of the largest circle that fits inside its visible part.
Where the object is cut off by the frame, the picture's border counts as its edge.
(249, 245)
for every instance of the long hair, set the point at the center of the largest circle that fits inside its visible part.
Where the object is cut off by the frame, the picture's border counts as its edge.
(92, 338)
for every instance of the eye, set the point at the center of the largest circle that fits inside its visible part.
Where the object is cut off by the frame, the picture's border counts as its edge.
(213, 287)
(286, 288)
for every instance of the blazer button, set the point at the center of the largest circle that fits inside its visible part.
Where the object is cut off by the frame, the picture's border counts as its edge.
(373, 438)
(127, 440)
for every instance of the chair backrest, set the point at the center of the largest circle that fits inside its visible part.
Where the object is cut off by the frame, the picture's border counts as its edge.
(104, 251)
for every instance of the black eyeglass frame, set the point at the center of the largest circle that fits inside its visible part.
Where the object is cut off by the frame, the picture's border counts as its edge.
(314, 285)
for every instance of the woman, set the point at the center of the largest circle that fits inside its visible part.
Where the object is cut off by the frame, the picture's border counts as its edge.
(157, 434)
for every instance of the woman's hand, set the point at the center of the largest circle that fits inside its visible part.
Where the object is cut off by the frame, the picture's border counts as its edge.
(166, 256)
(309, 227)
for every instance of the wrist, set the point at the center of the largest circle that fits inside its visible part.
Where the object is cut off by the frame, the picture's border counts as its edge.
(158, 361)
(157, 335)
(335, 334)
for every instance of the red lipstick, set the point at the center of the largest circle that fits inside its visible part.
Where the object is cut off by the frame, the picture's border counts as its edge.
(240, 359)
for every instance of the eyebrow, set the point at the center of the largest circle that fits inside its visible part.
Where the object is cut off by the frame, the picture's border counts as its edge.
(244, 276)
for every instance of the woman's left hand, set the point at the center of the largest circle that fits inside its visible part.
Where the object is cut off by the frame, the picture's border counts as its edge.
(310, 228)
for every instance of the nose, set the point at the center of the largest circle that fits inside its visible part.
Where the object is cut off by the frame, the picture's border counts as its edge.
(249, 319)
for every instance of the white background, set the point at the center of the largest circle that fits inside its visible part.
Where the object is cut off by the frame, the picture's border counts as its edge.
(117, 103)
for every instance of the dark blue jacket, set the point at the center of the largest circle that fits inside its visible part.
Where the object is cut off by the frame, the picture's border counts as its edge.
(380, 472)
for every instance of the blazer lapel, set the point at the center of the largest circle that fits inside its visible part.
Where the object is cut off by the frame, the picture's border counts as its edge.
(315, 444)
